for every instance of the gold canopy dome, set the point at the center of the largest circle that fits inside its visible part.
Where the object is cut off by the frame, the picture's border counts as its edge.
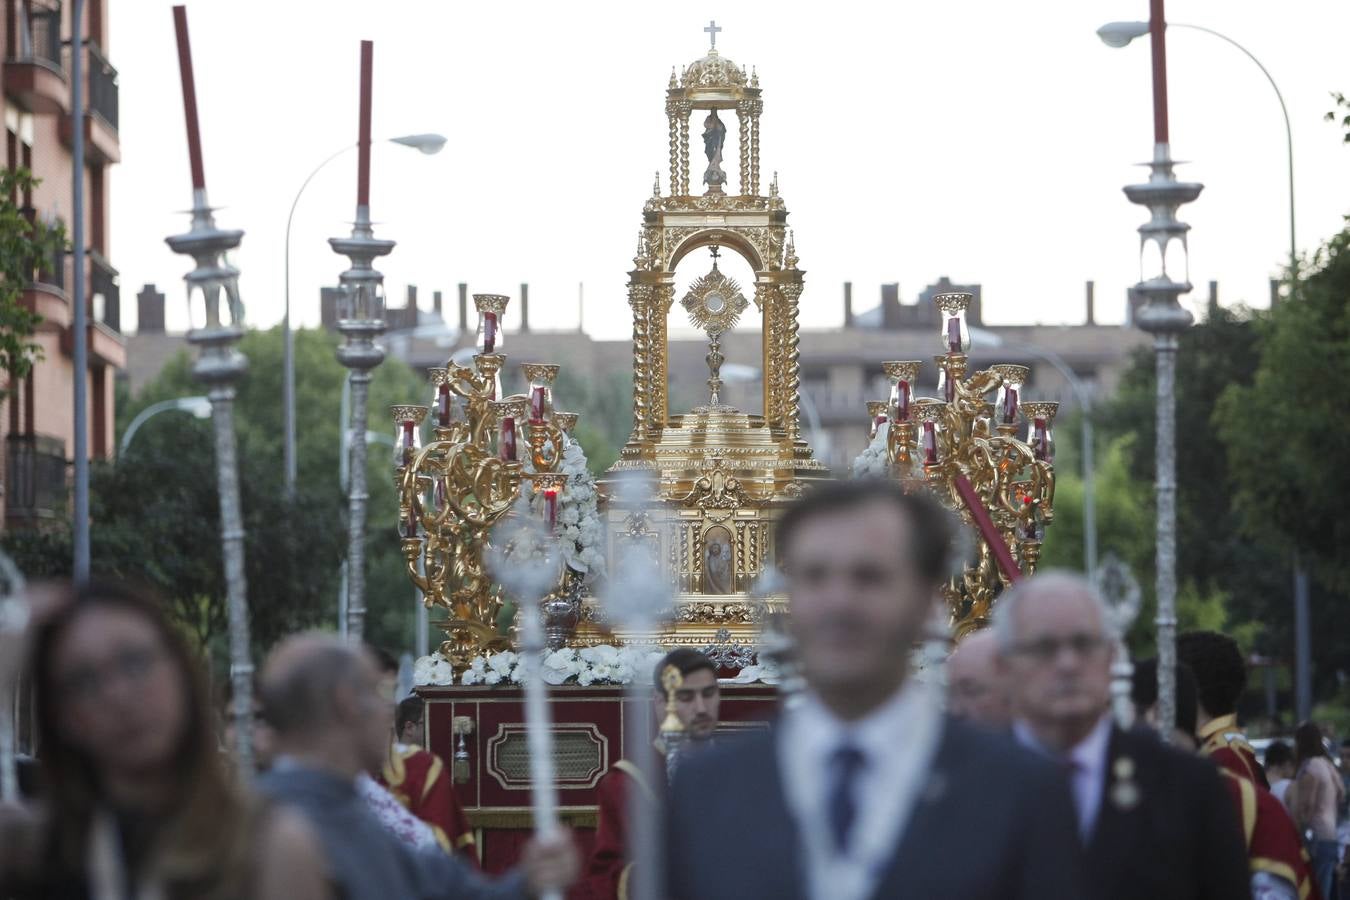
(713, 71)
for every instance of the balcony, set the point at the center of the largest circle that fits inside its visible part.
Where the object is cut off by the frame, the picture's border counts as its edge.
(101, 106)
(35, 480)
(104, 292)
(34, 74)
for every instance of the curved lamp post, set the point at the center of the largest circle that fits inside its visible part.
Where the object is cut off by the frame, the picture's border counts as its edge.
(1120, 34)
(428, 144)
(199, 407)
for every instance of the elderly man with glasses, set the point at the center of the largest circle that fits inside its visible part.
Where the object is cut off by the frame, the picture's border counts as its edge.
(1154, 822)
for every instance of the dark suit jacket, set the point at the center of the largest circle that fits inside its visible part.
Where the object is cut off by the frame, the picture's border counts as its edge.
(1180, 841)
(994, 822)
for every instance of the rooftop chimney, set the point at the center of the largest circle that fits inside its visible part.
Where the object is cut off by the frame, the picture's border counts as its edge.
(410, 308)
(524, 307)
(1213, 307)
(150, 311)
(848, 304)
(1091, 306)
(1274, 292)
(890, 306)
(436, 305)
(463, 308)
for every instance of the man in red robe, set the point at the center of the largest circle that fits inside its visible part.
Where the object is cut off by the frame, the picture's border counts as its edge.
(419, 780)
(607, 872)
(1275, 854)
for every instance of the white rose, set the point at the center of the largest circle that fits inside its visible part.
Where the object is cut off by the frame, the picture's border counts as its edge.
(492, 677)
(585, 677)
(479, 664)
(470, 677)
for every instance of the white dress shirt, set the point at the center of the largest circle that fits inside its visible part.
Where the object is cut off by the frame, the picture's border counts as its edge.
(1088, 762)
(898, 741)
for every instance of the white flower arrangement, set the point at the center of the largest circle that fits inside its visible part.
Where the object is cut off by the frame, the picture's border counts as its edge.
(580, 529)
(602, 664)
(871, 463)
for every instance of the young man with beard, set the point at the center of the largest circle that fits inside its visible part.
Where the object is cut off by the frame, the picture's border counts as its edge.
(609, 869)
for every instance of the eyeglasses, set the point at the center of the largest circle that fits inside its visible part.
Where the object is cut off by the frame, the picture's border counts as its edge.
(1047, 649)
(132, 664)
(859, 576)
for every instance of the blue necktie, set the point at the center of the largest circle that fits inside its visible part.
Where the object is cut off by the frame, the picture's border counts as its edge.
(845, 763)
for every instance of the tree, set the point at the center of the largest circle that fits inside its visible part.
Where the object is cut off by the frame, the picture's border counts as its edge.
(155, 515)
(28, 246)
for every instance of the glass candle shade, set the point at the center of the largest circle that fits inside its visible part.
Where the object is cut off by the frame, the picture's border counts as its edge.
(946, 385)
(902, 376)
(491, 309)
(876, 415)
(550, 486)
(541, 378)
(955, 334)
(1008, 404)
(442, 401)
(1040, 428)
(510, 416)
(407, 432)
(930, 430)
(407, 441)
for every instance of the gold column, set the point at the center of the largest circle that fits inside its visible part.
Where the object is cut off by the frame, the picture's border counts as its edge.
(743, 120)
(658, 316)
(774, 399)
(791, 360)
(757, 107)
(684, 109)
(639, 296)
(672, 111)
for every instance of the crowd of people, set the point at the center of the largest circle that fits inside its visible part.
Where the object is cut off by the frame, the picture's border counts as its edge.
(1016, 781)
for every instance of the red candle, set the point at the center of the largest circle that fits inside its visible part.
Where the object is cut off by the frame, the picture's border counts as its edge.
(948, 386)
(537, 403)
(194, 136)
(363, 134)
(930, 445)
(489, 331)
(1042, 438)
(443, 405)
(1009, 405)
(551, 507)
(953, 335)
(902, 401)
(507, 450)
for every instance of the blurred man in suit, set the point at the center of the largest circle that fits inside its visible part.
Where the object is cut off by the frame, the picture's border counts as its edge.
(975, 690)
(866, 789)
(1155, 822)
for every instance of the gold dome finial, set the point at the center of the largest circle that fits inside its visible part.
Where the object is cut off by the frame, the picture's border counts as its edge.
(790, 255)
(674, 83)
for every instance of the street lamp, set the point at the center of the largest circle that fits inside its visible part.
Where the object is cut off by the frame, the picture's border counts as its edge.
(427, 144)
(1118, 34)
(1163, 254)
(199, 407)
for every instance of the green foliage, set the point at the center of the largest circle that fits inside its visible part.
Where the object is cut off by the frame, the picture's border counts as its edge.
(1333, 115)
(155, 512)
(27, 246)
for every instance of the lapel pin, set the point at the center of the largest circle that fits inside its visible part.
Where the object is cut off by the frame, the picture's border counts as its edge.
(1124, 792)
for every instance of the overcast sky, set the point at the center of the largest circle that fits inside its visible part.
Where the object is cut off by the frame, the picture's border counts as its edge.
(979, 139)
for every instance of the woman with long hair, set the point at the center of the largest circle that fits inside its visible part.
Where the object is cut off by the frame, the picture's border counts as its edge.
(1318, 792)
(139, 804)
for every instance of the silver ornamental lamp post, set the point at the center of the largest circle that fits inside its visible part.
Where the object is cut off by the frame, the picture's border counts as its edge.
(219, 366)
(1120, 34)
(361, 321)
(1163, 317)
(427, 144)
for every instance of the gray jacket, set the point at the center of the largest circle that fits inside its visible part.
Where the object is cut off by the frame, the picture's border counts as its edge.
(366, 862)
